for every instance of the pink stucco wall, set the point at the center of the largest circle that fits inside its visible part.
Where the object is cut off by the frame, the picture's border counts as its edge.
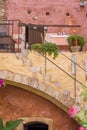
(28, 10)
(18, 103)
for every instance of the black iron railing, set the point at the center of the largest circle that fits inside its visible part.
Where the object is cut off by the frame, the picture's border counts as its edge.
(9, 28)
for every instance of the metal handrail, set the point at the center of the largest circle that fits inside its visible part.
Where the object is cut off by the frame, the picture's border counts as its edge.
(72, 61)
(61, 69)
(74, 78)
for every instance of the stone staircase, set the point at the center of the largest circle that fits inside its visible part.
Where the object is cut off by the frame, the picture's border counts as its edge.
(58, 77)
(27, 71)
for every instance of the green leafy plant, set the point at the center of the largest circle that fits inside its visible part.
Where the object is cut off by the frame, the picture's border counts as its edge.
(10, 125)
(76, 40)
(80, 111)
(46, 48)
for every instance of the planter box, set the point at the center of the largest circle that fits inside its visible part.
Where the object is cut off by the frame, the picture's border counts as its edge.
(75, 48)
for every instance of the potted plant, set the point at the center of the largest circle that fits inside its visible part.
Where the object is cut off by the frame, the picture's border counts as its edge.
(46, 48)
(76, 42)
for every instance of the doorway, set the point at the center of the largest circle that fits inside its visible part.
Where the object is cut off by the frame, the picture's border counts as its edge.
(35, 126)
(33, 34)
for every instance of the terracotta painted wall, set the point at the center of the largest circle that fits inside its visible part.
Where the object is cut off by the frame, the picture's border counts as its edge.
(29, 10)
(17, 103)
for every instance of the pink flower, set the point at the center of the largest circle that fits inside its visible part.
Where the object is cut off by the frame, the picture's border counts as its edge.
(81, 128)
(2, 84)
(73, 110)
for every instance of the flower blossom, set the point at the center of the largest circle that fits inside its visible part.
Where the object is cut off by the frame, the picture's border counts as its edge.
(73, 110)
(81, 128)
(2, 84)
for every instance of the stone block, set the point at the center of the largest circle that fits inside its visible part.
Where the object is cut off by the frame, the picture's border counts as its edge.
(25, 52)
(24, 79)
(65, 96)
(10, 75)
(34, 83)
(3, 74)
(35, 69)
(29, 81)
(42, 87)
(50, 90)
(18, 78)
(18, 55)
(47, 77)
(70, 102)
(27, 62)
(57, 84)
(56, 94)
(67, 92)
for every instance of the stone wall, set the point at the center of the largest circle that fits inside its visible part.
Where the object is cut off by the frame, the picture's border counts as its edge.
(2, 9)
(63, 12)
(48, 12)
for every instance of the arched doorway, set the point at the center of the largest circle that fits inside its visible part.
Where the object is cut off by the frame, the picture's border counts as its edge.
(35, 126)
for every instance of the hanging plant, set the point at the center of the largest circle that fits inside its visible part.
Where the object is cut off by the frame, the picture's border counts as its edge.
(46, 48)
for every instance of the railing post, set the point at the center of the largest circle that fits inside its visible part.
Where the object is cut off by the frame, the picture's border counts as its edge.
(74, 72)
(75, 80)
(45, 62)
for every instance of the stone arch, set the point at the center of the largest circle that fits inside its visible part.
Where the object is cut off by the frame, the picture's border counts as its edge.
(47, 121)
(41, 88)
(40, 93)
